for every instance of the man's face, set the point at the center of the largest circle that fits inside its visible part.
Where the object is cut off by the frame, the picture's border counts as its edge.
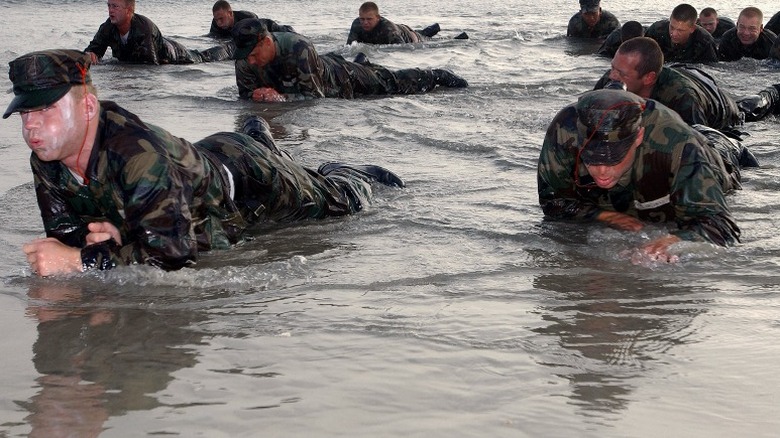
(708, 22)
(118, 12)
(263, 53)
(607, 177)
(680, 31)
(224, 19)
(56, 132)
(591, 18)
(624, 69)
(368, 20)
(749, 29)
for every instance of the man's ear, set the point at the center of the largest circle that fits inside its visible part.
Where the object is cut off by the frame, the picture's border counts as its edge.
(93, 106)
(650, 78)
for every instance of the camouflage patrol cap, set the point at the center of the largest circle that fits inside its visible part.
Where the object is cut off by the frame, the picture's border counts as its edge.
(608, 123)
(245, 34)
(42, 78)
(590, 5)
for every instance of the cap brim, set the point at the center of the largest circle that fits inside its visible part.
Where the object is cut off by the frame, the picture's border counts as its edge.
(243, 52)
(607, 153)
(37, 99)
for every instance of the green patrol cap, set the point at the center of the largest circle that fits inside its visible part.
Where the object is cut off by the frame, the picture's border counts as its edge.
(245, 34)
(42, 78)
(608, 123)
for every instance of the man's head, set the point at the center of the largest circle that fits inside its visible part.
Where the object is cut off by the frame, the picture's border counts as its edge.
(631, 29)
(609, 128)
(223, 15)
(590, 11)
(637, 63)
(708, 19)
(54, 94)
(368, 14)
(42, 78)
(682, 23)
(120, 12)
(750, 25)
(253, 42)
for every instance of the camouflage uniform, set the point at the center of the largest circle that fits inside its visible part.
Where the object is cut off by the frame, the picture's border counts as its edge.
(299, 72)
(606, 24)
(675, 177)
(694, 95)
(146, 45)
(773, 24)
(171, 199)
(700, 48)
(217, 32)
(732, 49)
(385, 32)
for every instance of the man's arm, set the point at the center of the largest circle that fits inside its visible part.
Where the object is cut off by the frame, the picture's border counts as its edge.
(101, 41)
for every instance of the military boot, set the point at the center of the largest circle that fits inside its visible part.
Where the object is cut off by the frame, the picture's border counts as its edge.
(366, 172)
(431, 30)
(446, 78)
(257, 128)
(758, 106)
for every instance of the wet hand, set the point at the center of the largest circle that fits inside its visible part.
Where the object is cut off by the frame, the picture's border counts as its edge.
(620, 221)
(101, 232)
(267, 94)
(657, 250)
(49, 256)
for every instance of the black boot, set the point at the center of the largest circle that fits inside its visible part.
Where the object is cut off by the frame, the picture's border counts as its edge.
(431, 30)
(257, 128)
(362, 59)
(368, 172)
(462, 36)
(758, 106)
(446, 78)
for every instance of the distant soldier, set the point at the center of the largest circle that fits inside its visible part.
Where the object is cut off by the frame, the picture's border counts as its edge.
(280, 66)
(372, 28)
(591, 21)
(749, 39)
(225, 18)
(681, 40)
(714, 24)
(629, 29)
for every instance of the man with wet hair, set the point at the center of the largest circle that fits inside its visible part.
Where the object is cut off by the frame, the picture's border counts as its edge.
(629, 29)
(114, 190)
(282, 66)
(591, 21)
(372, 28)
(225, 18)
(619, 159)
(135, 39)
(681, 40)
(691, 92)
(749, 39)
(714, 24)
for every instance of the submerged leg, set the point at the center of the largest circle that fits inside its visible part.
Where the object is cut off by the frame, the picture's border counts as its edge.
(758, 106)
(368, 172)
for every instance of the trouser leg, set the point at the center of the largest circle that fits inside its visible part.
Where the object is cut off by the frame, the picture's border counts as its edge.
(766, 102)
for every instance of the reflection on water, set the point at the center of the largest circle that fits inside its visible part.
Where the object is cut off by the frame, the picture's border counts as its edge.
(97, 361)
(613, 329)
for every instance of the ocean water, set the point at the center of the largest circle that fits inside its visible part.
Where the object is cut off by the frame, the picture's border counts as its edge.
(449, 308)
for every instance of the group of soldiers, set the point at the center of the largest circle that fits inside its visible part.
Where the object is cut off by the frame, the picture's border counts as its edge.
(652, 143)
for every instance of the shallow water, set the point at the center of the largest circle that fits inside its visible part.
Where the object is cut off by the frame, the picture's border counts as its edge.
(448, 308)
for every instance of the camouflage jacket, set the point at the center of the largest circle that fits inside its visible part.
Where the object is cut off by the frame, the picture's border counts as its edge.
(145, 44)
(606, 24)
(272, 26)
(170, 199)
(700, 47)
(298, 72)
(675, 177)
(385, 32)
(692, 94)
(732, 49)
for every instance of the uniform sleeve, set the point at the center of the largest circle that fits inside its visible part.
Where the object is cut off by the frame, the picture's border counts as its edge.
(701, 209)
(60, 220)
(573, 28)
(247, 79)
(101, 40)
(706, 50)
(558, 195)
(158, 221)
(354, 32)
(309, 80)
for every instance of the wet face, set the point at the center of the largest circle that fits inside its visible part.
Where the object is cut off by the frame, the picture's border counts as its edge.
(624, 69)
(709, 23)
(607, 177)
(749, 29)
(224, 19)
(118, 12)
(680, 31)
(368, 20)
(263, 53)
(591, 18)
(55, 133)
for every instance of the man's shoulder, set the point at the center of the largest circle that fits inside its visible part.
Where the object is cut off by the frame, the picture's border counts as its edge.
(242, 15)
(701, 35)
(658, 26)
(608, 16)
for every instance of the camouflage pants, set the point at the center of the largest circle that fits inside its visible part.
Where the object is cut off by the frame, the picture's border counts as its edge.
(371, 79)
(270, 186)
